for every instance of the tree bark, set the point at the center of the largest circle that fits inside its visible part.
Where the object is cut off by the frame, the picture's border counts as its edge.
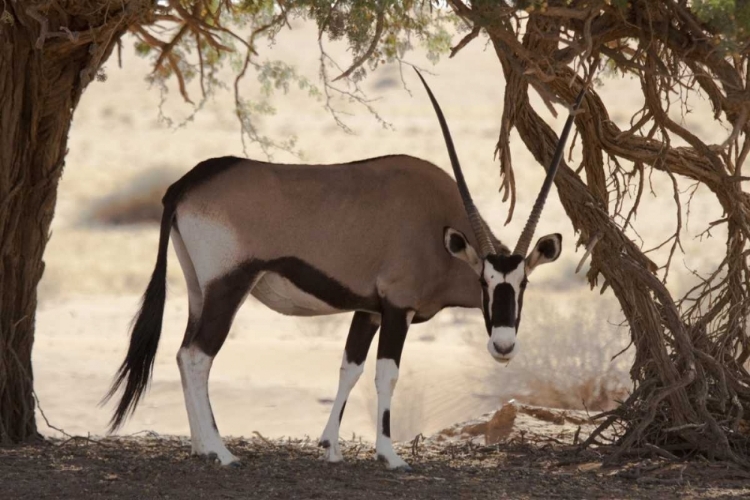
(46, 66)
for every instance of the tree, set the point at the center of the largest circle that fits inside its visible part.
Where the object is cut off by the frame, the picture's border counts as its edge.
(50, 50)
(49, 55)
(691, 386)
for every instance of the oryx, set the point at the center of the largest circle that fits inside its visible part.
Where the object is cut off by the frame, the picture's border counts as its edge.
(391, 239)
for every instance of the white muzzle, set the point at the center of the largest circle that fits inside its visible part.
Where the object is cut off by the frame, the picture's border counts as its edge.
(502, 344)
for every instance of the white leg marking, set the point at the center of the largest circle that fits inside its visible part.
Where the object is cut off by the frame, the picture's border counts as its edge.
(195, 366)
(348, 377)
(386, 376)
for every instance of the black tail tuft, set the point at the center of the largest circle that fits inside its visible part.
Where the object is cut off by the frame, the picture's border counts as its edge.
(136, 370)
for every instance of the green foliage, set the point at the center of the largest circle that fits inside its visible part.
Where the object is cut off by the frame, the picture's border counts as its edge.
(620, 4)
(278, 75)
(232, 34)
(437, 43)
(400, 22)
(730, 18)
(142, 49)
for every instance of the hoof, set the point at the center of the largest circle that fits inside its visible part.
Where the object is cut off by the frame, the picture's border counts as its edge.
(235, 465)
(213, 458)
(399, 465)
(332, 453)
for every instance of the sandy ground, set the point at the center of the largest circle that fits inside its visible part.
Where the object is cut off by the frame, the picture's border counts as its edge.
(277, 375)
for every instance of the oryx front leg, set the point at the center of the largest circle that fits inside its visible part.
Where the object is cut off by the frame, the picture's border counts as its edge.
(390, 345)
(363, 328)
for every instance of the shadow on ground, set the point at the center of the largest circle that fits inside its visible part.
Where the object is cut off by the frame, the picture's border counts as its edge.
(161, 467)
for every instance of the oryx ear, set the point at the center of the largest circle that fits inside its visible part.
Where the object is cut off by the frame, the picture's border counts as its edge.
(547, 249)
(459, 247)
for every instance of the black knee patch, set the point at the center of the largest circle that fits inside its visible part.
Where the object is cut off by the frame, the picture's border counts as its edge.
(341, 413)
(387, 423)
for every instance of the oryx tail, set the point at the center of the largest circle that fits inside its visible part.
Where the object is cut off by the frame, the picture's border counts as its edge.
(136, 370)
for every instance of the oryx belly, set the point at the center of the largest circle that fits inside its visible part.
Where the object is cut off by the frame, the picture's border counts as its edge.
(283, 296)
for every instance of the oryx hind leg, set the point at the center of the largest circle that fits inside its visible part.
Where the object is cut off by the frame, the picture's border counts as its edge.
(212, 310)
(363, 329)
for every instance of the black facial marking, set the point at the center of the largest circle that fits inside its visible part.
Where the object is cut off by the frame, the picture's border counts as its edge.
(341, 413)
(520, 302)
(485, 308)
(547, 248)
(387, 423)
(392, 333)
(456, 243)
(503, 296)
(360, 336)
(504, 306)
(505, 263)
(325, 444)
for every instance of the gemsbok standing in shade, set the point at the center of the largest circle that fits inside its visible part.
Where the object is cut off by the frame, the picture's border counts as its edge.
(392, 239)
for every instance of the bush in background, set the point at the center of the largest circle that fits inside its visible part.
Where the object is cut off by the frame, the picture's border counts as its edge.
(138, 202)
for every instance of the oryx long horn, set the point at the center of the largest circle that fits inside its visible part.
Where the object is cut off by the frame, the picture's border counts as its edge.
(528, 231)
(483, 239)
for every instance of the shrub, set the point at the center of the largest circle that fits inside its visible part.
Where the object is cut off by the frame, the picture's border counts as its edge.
(138, 202)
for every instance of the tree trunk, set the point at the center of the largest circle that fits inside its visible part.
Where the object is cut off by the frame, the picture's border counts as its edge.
(46, 65)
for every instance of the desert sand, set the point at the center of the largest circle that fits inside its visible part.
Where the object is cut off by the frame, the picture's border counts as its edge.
(277, 375)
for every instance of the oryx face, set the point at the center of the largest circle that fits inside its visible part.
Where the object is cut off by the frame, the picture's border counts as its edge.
(503, 280)
(503, 277)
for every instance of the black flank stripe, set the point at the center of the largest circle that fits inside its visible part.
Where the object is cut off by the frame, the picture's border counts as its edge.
(318, 284)
(305, 277)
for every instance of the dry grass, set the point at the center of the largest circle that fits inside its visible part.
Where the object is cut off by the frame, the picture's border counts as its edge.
(595, 390)
(568, 361)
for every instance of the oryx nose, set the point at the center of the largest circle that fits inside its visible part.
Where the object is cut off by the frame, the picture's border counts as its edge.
(503, 348)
